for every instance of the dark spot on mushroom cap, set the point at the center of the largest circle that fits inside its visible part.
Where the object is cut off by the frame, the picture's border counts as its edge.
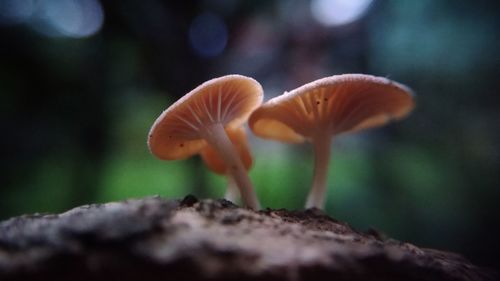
(317, 102)
(181, 145)
(325, 99)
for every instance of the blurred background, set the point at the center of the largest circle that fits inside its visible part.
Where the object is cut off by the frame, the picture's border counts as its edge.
(82, 81)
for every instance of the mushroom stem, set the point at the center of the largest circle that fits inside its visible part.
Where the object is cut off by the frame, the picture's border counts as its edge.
(232, 193)
(316, 197)
(216, 136)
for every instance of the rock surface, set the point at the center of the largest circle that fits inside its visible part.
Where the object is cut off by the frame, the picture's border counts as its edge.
(158, 239)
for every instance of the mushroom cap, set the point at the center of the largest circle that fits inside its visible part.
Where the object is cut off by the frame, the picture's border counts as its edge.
(227, 100)
(337, 104)
(239, 139)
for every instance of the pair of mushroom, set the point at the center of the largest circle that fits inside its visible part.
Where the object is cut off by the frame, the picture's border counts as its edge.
(200, 122)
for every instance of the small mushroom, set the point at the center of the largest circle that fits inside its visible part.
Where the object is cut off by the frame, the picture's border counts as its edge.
(201, 117)
(328, 107)
(216, 164)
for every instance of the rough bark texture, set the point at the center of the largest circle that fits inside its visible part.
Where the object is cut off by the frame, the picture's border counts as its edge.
(156, 239)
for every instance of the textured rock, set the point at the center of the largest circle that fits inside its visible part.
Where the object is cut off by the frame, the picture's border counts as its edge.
(153, 238)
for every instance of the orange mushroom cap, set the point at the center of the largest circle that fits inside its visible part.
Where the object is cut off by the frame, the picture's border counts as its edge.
(227, 100)
(335, 105)
(239, 139)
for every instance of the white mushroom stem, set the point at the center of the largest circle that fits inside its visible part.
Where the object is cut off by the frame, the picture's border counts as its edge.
(232, 193)
(316, 197)
(216, 136)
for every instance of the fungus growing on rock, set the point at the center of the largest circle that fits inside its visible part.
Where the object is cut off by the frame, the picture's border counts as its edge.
(216, 164)
(327, 107)
(201, 117)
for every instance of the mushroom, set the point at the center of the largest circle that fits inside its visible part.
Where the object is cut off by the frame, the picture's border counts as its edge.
(327, 107)
(200, 118)
(216, 164)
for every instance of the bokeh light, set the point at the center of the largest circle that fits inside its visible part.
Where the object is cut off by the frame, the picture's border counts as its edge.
(53, 18)
(338, 12)
(70, 18)
(208, 35)
(16, 11)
